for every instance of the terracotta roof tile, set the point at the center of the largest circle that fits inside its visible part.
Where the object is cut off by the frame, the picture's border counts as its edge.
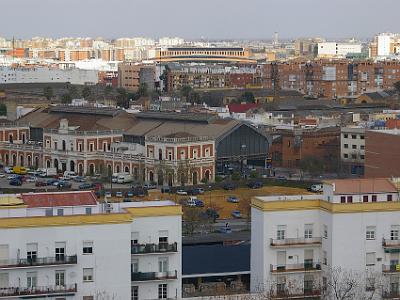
(362, 186)
(59, 199)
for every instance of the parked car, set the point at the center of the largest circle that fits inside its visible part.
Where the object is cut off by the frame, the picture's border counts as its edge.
(233, 199)
(107, 194)
(15, 182)
(40, 183)
(196, 191)
(8, 170)
(229, 186)
(255, 184)
(79, 179)
(118, 194)
(139, 192)
(166, 189)
(149, 186)
(236, 214)
(2, 175)
(225, 229)
(316, 188)
(64, 184)
(12, 176)
(181, 192)
(281, 177)
(52, 181)
(85, 186)
(31, 179)
(129, 194)
(55, 183)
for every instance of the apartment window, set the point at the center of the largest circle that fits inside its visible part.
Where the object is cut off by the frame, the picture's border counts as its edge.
(169, 155)
(370, 259)
(60, 278)
(362, 147)
(325, 231)
(104, 146)
(308, 231)
(343, 199)
(162, 291)
(135, 265)
(163, 264)
(87, 247)
(370, 233)
(281, 285)
(308, 283)
(88, 210)
(194, 153)
(60, 251)
(374, 198)
(354, 156)
(280, 233)
(31, 279)
(346, 135)
(346, 146)
(365, 198)
(324, 257)
(362, 137)
(87, 298)
(389, 197)
(88, 274)
(55, 146)
(354, 146)
(349, 199)
(31, 252)
(394, 233)
(80, 148)
(353, 136)
(370, 284)
(345, 155)
(60, 212)
(362, 156)
(49, 212)
(91, 147)
(135, 293)
(134, 238)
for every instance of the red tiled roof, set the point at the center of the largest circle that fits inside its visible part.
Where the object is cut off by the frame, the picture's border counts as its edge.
(308, 121)
(241, 108)
(362, 186)
(59, 199)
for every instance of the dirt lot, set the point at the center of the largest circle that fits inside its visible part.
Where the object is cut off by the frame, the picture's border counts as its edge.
(218, 198)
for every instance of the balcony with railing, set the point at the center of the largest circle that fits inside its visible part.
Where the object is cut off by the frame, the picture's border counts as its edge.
(38, 262)
(391, 268)
(37, 291)
(154, 248)
(305, 267)
(296, 242)
(391, 295)
(306, 293)
(391, 245)
(149, 276)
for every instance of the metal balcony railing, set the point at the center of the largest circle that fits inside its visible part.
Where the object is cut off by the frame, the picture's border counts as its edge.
(39, 261)
(153, 248)
(391, 268)
(391, 295)
(148, 276)
(389, 243)
(295, 242)
(306, 293)
(38, 291)
(312, 266)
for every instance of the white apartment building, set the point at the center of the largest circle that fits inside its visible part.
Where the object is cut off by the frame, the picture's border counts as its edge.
(384, 40)
(68, 246)
(338, 49)
(297, 240)
(47, 75)
(352, 148)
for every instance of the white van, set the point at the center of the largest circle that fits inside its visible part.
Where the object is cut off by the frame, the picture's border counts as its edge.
(124, 178)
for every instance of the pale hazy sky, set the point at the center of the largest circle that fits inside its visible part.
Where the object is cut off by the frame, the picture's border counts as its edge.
(252, 19)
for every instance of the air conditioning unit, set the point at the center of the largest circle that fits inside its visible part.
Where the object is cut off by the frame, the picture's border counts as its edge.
(108, 207)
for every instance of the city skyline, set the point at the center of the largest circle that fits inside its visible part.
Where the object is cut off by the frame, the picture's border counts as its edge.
(194, 21)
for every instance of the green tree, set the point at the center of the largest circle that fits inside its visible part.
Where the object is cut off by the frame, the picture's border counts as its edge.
(86, 92)
(143, 90)
(122, 98)
(3, 109)
(73, 92)
(248, 97)
(48, 92)
(194, 97)
(66, 98)
(185, 91)
(108, 90)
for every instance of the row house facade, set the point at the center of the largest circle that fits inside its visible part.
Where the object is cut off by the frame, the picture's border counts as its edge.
(333, 79)
(162, 160)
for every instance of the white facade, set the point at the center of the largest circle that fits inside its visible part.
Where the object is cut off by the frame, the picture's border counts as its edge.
(170, 41)
(82, 255)
(46, 75)
(384, 41)
(352, 144)
(338, 49)
(297, 240)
